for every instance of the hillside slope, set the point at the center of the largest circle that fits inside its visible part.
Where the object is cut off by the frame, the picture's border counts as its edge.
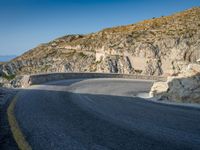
(159, 46)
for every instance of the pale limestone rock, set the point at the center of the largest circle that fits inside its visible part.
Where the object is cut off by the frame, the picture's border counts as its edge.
(194, 67)
(185, 87)
(161, 46)
(158, 88)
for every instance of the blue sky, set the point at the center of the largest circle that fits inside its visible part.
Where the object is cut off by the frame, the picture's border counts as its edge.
(25, 24)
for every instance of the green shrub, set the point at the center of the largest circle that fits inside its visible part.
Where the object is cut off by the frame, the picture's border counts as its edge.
(81, 54)
(9, 77)
(138, 71)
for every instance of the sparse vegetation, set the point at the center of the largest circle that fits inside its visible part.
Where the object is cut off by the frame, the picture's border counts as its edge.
(8, 77)
(138, 71)
(81, 54)
(76, 52)
(71, 53)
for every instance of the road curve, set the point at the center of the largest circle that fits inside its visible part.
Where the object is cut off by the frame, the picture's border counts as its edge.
(103, 114)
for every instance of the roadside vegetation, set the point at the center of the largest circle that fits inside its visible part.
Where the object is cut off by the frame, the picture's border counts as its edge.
(8, 77)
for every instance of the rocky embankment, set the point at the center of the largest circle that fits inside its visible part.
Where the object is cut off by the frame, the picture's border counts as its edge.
(184, 87)
(159, 46)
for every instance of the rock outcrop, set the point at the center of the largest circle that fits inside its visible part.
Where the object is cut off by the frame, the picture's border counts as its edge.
(160, 46)
(185, 87)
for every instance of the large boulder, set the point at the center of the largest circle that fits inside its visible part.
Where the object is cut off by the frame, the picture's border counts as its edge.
(185, 87)
(21, 81)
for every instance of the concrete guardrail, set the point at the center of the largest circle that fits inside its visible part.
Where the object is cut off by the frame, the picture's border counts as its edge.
(28, 80)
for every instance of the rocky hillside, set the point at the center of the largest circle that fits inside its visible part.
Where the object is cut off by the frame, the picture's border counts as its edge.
(159, 46)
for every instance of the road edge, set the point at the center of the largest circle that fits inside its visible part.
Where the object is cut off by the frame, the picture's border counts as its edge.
(14, 126)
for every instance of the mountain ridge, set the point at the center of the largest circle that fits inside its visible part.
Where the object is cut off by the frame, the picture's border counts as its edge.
(158, 46)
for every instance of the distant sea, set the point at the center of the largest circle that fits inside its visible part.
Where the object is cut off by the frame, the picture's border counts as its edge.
(5, 58)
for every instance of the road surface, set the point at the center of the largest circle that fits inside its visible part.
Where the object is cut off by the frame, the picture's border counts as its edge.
(103, 114)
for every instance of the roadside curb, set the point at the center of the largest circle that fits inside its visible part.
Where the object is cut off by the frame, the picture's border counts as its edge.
(15, 129)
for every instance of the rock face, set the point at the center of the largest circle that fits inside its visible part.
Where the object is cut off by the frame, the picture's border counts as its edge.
(161, 46)
(185, 87)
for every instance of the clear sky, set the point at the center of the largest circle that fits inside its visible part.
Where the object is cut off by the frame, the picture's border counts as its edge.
(25, 24)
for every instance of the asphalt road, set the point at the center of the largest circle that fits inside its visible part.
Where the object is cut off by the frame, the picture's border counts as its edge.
(103, 114)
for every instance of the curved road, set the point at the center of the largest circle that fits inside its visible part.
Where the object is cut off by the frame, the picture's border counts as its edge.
(103, 114)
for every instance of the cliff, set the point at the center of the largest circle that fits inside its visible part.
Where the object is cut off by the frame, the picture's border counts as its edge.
(159, 46)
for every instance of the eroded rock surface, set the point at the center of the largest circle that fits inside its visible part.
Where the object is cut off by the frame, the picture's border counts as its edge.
(160, 46)
(185, 87)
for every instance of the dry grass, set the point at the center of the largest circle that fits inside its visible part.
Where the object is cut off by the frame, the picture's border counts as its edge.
(176, 25)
